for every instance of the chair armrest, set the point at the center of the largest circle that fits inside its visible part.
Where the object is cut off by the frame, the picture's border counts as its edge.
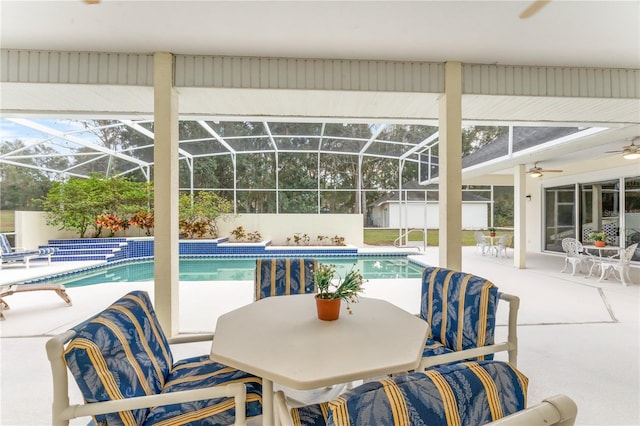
(558, 410)
(430, 361)
(235, 390)
(190, 338)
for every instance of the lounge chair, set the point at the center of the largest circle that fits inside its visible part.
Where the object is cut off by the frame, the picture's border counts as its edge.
(22, 288)
(12, 255)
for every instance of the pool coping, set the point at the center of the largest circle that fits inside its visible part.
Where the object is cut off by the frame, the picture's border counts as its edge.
(86, 269)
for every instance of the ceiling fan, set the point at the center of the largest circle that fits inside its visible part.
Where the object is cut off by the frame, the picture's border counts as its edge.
(533, 8)
(630, 152)
(536, 171)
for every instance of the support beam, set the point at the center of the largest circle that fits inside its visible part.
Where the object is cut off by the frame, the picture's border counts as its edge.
(165, 152)
(450, 122)
(519, 217)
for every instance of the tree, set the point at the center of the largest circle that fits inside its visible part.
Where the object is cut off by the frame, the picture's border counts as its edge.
(77, 203)
(475, 137)
(22, 187)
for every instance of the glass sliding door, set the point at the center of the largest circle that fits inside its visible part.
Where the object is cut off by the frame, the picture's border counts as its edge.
(632, 213)
(560, 216)
(600, 210)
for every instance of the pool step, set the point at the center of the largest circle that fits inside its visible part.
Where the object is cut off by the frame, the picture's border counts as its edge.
(89, 249)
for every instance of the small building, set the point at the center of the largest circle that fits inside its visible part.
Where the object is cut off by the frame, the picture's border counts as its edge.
(420, 204)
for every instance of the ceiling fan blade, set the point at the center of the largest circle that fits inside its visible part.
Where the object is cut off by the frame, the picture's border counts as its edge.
(533, 8)
(551, 171)
(612, 152)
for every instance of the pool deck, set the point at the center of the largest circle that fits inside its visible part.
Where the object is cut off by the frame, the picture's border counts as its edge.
(576, 336)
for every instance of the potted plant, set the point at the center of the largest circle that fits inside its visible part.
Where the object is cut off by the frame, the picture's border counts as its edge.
(330, 294)
(599, 238)
(492, 232)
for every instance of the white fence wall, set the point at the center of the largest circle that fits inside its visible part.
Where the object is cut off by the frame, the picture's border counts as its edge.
(32, 230)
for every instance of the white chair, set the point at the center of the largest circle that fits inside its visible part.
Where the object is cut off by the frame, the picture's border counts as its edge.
(501, 246)
(618, 263)
(575, 255)
(481, 242)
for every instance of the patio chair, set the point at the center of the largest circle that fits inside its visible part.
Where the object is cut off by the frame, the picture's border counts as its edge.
(619, 264)
(22, 288)
(13, 255)
(284, 276)
(471, 393)
(123, 365)
(460, 309)
(501, 246)
(576, 255)
(481, 242)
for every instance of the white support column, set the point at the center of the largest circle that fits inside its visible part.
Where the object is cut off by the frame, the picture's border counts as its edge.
(450, 182)
(165, 153)
(519, 217)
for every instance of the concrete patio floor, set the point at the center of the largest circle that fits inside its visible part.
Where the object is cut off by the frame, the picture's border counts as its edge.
(576, 336)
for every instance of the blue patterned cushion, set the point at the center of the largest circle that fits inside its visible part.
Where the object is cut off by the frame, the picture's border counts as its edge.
(284, 276)
(201, 372)
(120, 353)
(460, 308)
(311, 415)
(471, 393)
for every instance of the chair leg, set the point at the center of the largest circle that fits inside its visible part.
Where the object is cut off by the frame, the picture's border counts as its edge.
(625, 274)
(573, 264)
(63, 294)
(605, 272)
(566, 263)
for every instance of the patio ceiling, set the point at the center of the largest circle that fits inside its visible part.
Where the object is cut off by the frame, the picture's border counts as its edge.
(563, 34)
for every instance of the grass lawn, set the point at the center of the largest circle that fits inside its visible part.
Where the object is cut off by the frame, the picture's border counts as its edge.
(7, 219)
(386, 237)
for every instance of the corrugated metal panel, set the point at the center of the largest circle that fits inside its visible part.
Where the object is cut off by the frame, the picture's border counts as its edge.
(550, 81)
(32, 66)
(308, 74)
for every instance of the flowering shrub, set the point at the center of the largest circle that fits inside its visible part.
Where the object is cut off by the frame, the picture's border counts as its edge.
(143, 220)
(111, 222)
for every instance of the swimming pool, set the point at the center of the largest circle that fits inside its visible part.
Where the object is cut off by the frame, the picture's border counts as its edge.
(233, 269)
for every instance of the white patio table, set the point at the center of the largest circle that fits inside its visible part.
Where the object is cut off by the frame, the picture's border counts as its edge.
(598, 260)
(280, 339)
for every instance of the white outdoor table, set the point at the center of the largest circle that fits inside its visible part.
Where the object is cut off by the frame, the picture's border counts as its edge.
(491, 241)
(589, 248)
(280, 339)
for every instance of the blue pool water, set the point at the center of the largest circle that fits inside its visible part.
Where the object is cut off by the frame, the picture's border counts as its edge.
(235, 269)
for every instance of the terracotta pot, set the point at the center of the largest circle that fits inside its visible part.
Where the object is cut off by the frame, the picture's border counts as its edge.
(492, 234)
(328, 309)
(599, 243)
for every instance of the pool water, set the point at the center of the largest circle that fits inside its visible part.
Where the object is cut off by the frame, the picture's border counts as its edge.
(237, 269)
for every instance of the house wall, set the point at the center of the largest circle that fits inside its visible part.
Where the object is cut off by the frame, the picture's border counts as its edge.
(391, 215)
